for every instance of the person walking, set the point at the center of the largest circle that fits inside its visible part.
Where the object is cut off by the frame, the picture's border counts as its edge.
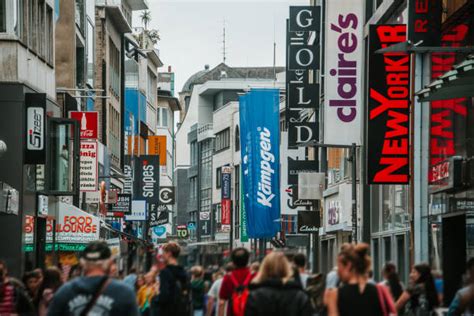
(420, 297)
(299, 260)
(95, 292)
(146, 292)
(356, 296)
(131, 279)
(52, 281)
(274, 292)
(392, 280)
(197, 290)
(32, 281)
(173, 297)
(235, 284)
(463, 301)
(14, 299)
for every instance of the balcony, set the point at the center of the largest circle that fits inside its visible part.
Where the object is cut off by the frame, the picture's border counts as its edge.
(120, 12)
(205, 131)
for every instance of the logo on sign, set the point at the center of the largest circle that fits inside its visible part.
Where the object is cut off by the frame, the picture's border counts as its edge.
(88, 123)
(159, 230)
(35, 128)
(182, 231)
(167, 195)
(148, 176)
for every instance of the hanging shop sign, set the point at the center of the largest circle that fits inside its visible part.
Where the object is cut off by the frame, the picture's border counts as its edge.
(159, 232)
(159, 215)
(226, 205)
(337, 209)
(424, 22)
(344, 66)
(88, 123)
(74, 226)
(244, 237)
(157, 147)
(205, 227)
(147, 179)
(305, 18)
(88, 167)
(389, 108)
(43, 209)
(311, 185)
(123, 205)
(128, 172)
(226, 211)
(260, 133)
(167, 195)
(446, 175)
(138, 211)
(308, 222)
(445, 115)
(35, 131)
(182, 231)
(191, 225)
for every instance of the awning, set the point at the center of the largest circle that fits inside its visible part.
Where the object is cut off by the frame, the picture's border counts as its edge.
(456, 83)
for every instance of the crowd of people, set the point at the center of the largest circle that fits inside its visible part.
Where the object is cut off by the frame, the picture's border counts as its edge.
(278, 285)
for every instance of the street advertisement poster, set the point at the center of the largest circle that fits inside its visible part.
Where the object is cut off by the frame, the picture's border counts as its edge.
(159, 233)
(388, 116)
(344, 60)
(244, 237)
(424, 22)
(88, 167)
(447, 117)
(138, 211)
(157, 147)
(226, 205)
(128, 172)
(35, 131)
(123, 204)
(159, 215)
(147, 178)
(286, 189)
(260, 137)
(88, 123)
(308, 222)
(182, 231)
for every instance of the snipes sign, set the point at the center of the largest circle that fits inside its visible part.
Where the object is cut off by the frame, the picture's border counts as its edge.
(147, 179)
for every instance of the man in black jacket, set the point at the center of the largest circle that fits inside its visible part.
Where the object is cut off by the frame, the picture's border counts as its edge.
(174, 297)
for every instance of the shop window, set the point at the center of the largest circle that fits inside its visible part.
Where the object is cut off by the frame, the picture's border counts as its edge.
(387, 245)
(376, 260)
(401, 265)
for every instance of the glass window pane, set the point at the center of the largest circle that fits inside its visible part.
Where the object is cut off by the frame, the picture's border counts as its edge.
(401, 266)
(62, 153)
(3, 16)
(375, 257)
(387, 249)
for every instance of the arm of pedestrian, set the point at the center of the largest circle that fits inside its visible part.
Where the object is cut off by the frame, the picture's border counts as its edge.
(331, 302)
(402, 300)
(221, 309)
(210, 305)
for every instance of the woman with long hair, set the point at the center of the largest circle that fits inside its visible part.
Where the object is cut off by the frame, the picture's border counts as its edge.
(273, 292)
(146, 293)
(392, 280)
(420, 297)
(52, 281)
(357, 296)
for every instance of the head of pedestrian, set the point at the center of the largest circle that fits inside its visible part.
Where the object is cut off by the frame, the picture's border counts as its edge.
(275, 266)
(171, 252)
(97, 259)
(197, 272)
(300, 261)
(240, 257)
(421, 276)
(353, 260)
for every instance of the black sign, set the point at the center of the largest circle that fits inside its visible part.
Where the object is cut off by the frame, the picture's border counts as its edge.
(205, 227)
(295, 167)
(308, 222)
(182, 231)
(167, 196)
(305, 18)
(388, 114)
(159, 215)
(123, 205)
(461, 204)
(424, 22)
(446, 175)
(128, 172)
(147, 179)
(35, 128)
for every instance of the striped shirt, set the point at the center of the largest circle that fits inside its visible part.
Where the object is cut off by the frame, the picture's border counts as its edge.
(7, 305)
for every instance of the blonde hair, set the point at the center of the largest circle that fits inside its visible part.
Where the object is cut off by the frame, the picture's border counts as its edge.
(274, 266)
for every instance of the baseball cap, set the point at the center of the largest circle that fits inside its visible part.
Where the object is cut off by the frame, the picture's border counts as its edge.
(96, 250)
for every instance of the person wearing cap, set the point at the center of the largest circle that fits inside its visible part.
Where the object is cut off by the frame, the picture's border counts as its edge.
(95, 292)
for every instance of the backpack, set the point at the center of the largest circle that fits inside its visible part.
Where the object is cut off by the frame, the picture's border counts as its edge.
(315, 289)
(182, 298)
(240, 295)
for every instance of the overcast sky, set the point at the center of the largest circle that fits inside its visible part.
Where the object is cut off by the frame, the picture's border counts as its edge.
(192, 31)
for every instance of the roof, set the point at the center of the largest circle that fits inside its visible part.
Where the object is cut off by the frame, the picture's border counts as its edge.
(172, 101)
(231, 73)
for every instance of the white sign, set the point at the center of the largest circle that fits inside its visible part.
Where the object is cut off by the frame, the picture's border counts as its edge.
(35, 128)
(286, 191)
(43, 205)
(343, 108)
(138, 211)
(88, 166)
(204, 216)
(76, 226)
(338, 209)
(311, 185)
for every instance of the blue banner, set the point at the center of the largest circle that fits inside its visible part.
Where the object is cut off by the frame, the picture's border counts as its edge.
(260, 137)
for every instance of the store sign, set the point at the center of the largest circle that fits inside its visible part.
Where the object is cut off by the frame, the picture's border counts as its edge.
(182, 231)
(446, 114)
(128, 172)
(159, 215)
(138, 211)
(35, 132)
(389, 108)
(344, 66)
(123, 205)
(305, 18)
(226, 210)
(191, 226)
(334, 212)
(303, 45)
(424, 22)
(157, 147)
(160, 232)
(204, 216)
(205, 227)
(75, 226)
(461, 204)
(308, 222)
(446, 175)
(88, 123)
(147, 179)
(43, 209)
(226, 205)
(167, 195)
(88, 167)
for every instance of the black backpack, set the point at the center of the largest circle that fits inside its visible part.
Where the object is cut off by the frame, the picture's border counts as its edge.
(182, 297)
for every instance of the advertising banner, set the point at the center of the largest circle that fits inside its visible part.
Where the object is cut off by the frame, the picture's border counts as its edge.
(147, 179)
(226, 211)
(128, 172)
(344, 67)
(388, 117)
(157, 147)
(424, 22)
(244, 237)
(88, 123)
(138, 211)
(159, 215)
(88, 167)
(123, 204)
(259, 134)
(308, 222)
(35, 131)
(75, 226)
(226, 205)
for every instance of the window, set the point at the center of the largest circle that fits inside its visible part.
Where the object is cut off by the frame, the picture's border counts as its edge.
(223, 140)
(151, 86)
(114, 56)
(90, 54)
(194, 153)
(218, 177)
(3, 16)
(237, 138)
(163, 117)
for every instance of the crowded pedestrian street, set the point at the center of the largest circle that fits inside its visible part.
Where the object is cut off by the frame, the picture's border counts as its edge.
(237, 157)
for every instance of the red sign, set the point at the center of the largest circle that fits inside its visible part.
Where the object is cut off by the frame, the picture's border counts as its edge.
(88, 123)
(225, 209)
(424, 21)
(389, 108)
(440, 171)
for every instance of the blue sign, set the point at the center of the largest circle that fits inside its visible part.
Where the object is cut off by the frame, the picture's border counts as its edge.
(260, 137)
(225, 185)
(159, 230)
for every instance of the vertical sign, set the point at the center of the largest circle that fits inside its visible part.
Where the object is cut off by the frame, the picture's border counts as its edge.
(88, 123)
(147, 179)
(88, 167)
(389, 108)
(35, 133)
(344, 65)
(128, 172)
(260, 136)
(424, 22)
(303, 61)
(226, 178)
(157, 146)
(244, 237)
